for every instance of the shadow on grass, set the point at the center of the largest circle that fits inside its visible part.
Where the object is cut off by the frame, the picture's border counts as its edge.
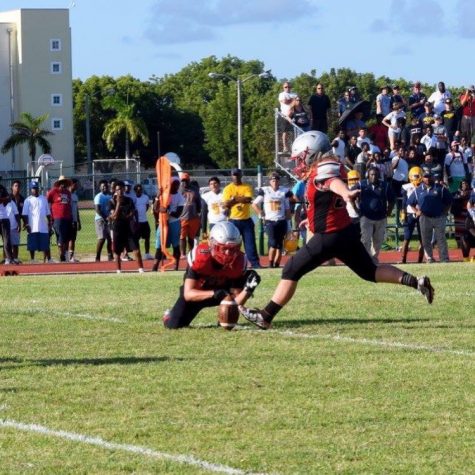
(126, 360)
(281, 324)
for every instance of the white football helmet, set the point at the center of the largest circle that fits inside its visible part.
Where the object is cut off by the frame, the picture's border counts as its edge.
(225, 242)
(306, 148)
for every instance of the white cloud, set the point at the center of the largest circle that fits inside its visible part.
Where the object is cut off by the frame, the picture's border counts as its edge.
(183, 21)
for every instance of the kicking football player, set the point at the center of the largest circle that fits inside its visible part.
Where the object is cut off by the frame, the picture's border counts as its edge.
(215, 270)
(334, 234)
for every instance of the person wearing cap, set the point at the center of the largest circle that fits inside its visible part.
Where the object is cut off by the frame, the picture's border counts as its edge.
(456, 167)
(450, 118)
(383, 101)
(427, 117)
(59, 199)
(417, 100)
(432, 203)
(37, 222)
(438, 97)
(467, 122)
(397, 97)
(237, 198)
(430, 167)
(272, 205)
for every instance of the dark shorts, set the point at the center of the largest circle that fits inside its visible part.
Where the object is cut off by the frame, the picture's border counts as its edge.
(143, 231)
(276, 231)
(411, 223)
(123, 239)
(63, 229)
(37, 242)
(345, 245)
(183, 312)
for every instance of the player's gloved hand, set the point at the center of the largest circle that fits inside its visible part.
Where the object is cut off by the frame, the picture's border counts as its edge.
(219, 294)
(252, 281)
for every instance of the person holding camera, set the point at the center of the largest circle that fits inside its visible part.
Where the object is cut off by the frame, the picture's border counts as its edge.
(467, 121)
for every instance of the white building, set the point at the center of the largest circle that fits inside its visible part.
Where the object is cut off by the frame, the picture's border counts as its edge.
(36, 77)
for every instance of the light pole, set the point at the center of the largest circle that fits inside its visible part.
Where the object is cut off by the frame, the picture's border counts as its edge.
(239, 83)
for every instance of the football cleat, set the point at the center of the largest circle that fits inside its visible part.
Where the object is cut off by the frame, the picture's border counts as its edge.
(254, 315)
(425, 288)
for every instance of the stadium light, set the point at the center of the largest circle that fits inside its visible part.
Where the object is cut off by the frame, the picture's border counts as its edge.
(239, 82)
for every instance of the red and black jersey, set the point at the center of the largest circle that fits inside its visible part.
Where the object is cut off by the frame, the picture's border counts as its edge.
(210, 274)
(326, 210)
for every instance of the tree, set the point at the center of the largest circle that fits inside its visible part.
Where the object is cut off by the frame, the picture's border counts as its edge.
(28, 131)
(125, 121)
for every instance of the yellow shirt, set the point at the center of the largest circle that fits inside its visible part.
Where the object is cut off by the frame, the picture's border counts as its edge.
(239, 210)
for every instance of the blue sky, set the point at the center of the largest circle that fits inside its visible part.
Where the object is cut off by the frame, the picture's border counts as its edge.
(428, 40)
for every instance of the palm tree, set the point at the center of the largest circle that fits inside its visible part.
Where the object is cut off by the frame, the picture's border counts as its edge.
(28, 131)
(125, 120)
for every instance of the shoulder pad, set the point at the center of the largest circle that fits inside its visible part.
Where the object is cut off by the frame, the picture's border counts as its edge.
(327, 169)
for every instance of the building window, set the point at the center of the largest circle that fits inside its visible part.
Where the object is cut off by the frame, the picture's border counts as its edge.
(57, 124)
(55, 44)
(56, 67)
(56, 100)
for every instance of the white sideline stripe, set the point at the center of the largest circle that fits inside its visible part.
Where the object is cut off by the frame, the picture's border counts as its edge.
(99, 442)
(83, 316)
(367, 341)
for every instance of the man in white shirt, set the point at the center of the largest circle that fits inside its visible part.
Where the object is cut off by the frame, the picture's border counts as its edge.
(437, 98)
(456, 167)
(286, 99)
(429, 140)
(142, 204)
(275, 212)
(339, 146)
(213, 210)
(37, 222)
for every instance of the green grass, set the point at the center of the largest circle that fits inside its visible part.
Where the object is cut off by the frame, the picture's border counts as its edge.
(327, 391)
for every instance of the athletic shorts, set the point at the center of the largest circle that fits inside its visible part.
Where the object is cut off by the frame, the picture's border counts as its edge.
(143, 231)
(190, 228)
(344, 245)
(123, 239)
(173, 238)
(102, 229)
(37, 242)
(63, 229)
(276, 231)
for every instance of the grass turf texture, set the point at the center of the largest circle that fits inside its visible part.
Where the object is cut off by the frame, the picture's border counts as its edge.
(88, 354)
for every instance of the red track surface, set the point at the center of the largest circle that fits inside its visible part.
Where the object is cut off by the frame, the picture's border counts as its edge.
(110, 267)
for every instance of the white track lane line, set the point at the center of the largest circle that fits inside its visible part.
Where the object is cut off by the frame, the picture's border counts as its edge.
(135, 449)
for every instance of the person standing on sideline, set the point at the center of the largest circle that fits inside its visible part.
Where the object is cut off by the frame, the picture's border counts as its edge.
(5, 226)
(334, 234)
(59, 198)
(286, 99)
(76, 225)
(190, 217)
(212, 211)
(101, 220)
(38, 223)
(319, 106)
(122, 214)
(376, 202)
(275, 213)
(18, 198)
(142, 204)
(237, 198)
(432, 203)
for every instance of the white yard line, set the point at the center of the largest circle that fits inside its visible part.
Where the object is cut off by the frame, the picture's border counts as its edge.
(82, 316)
(135, 449)
(367, 341)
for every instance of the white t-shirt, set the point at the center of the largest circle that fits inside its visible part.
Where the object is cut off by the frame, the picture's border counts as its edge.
(409, 188)
(339, 150)
(12, 212)
(455, 163)
(392, 118)
(176, 201)
(3, 212)
(285, 108)
(214, 201)
(401, 170)
(37, 210)
(275, 202)
(141, 204)
(438, 99)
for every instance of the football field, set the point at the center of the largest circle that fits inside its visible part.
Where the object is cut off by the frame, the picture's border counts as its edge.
(353, 378)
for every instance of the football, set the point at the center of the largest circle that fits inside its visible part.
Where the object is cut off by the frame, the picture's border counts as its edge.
(228, 313)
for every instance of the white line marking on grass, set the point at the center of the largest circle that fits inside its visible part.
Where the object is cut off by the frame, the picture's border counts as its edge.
(99, 442)
(83, 316)
(367, 341)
